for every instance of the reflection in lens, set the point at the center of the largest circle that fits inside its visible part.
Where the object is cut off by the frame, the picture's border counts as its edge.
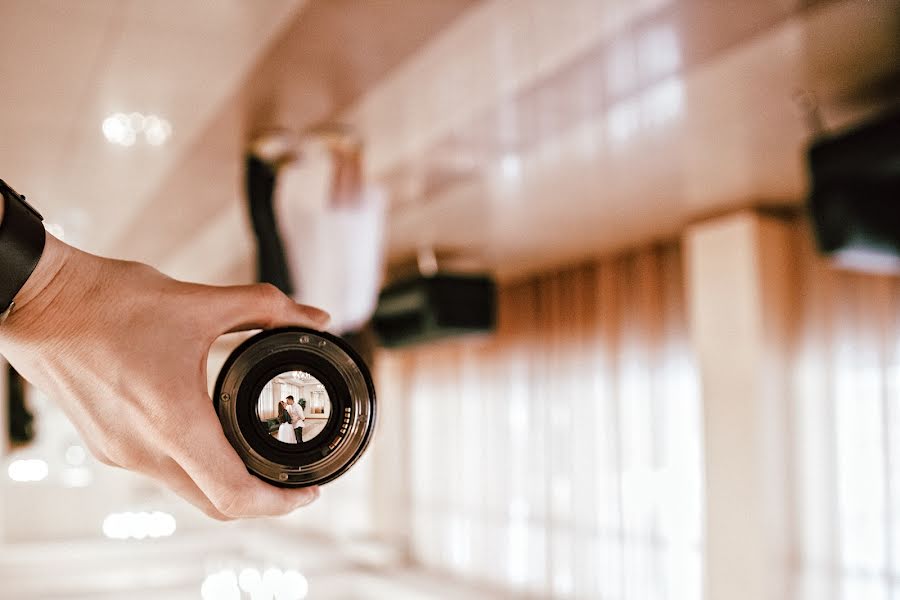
(294, 407)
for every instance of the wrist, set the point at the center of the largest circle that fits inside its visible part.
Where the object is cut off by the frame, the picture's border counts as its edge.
(53, 262)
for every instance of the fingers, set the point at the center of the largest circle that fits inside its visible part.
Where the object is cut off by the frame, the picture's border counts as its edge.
(176, 479)
(217, 470)
(260, 306)
(169, 473)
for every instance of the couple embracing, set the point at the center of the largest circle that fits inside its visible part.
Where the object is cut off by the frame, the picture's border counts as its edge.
(292, 420)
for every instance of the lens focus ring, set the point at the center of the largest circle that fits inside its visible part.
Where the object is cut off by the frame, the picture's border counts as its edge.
(341, 437)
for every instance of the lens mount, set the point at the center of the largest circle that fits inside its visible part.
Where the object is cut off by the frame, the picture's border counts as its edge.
(341, 437)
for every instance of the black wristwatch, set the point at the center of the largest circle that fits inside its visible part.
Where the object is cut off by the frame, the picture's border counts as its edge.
(22, 239)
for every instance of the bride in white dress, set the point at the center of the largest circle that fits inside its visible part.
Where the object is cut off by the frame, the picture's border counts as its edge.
(285, 430)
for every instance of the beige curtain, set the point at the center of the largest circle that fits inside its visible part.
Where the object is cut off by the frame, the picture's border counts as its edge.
(846, 432)
(562, 456)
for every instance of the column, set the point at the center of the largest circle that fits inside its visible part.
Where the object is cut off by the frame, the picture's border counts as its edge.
(738, 272)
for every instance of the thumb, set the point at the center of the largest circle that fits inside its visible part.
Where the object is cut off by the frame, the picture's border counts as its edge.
(260, 306)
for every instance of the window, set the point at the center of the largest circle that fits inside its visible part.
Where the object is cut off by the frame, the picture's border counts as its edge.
(847, 435)
(562, 457)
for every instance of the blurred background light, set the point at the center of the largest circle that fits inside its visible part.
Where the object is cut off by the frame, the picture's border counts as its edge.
(273, 584)
(511, 167)
(220, 586)
(123, 130)
(140, 525)
(75, 455)
(115, 127)
(250, 580)
(28, 470)
(271, 578)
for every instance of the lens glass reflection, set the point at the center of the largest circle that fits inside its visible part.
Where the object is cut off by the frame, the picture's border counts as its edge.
(294, 407)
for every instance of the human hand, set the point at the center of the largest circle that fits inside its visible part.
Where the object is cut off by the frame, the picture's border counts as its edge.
(123, 350)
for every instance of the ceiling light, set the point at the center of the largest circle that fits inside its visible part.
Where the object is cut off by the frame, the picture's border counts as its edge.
(129, 525)
(250, 580)
(75, 455)
(115, 127)
(123, 130)
(511, 167)
(273, 583)
(220, 586)
(271, 578)
(29, 470)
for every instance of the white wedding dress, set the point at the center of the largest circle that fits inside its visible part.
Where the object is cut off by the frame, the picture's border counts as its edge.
(286, 434)
(348, 242)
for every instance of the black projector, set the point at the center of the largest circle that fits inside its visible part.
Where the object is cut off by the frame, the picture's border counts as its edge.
(855, 194)
(426, 309)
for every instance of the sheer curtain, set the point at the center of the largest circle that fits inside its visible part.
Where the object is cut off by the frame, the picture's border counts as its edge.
(562, 456)
(267, 406)
(847, 432)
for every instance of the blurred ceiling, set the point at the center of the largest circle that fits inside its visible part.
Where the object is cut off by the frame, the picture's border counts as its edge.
(514, 134)
(66, 66)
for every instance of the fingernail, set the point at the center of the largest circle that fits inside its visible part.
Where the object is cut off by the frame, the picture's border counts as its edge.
(311, 312)
(322, 318)
(310, 496)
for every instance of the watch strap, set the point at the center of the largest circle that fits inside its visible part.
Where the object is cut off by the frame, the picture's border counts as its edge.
(22, 239)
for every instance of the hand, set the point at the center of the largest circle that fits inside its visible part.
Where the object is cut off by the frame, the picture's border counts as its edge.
(123, 350)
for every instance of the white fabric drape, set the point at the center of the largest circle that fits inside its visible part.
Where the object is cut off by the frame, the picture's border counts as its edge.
(335, 253)
(562, 456)
(847, 432)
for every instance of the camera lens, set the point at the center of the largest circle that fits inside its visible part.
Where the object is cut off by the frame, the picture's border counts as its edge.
(297, 405)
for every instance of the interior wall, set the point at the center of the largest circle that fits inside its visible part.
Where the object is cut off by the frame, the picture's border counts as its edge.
(562, 456)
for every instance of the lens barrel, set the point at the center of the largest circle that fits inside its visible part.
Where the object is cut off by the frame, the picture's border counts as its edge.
(339, 419)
